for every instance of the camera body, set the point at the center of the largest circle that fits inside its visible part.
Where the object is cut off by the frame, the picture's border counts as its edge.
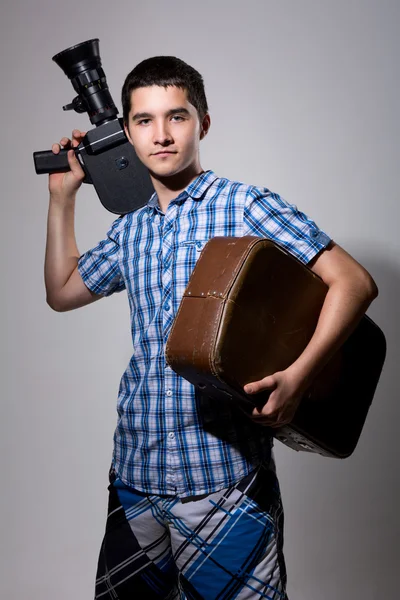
(107, 157)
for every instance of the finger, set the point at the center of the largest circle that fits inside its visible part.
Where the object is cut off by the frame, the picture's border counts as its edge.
(264, 421)
(269, 412)
(77, 137)
(263, 413)
(56, 148)
(273, 421)
(266, 406)
(65, 142)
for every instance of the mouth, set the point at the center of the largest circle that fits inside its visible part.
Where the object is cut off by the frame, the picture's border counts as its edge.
(164, 153)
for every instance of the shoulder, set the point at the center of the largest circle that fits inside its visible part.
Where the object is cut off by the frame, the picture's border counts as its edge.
(125, 221)
(229, 188)
(116, 227)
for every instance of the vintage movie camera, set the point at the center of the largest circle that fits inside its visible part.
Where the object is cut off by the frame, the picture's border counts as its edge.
(107, 157)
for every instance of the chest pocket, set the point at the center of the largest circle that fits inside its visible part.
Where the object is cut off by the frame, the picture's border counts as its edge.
(187, 252)
(196, 244)
(185, 255)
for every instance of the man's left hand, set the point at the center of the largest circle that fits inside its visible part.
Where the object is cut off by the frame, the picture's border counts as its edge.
(286, 392)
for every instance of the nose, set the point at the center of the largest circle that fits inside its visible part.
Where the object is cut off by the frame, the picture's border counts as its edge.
(162, 134)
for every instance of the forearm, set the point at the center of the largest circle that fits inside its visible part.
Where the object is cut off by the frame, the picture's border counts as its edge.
(351, 290)
(62, 254)
(345, 304)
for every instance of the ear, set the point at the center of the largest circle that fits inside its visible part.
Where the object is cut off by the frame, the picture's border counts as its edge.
(205, 126)
(127, 133)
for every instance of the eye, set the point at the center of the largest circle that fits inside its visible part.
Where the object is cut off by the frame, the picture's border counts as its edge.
(178, 118)
(143, 122)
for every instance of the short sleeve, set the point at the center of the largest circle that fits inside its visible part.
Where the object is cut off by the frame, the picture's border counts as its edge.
(267, 215)
(100, 268)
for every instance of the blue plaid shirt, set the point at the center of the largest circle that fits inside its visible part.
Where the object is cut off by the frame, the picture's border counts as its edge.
(169, 439)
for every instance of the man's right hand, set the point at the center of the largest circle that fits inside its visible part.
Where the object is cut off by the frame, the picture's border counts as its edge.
(63, 186)
(65, 289)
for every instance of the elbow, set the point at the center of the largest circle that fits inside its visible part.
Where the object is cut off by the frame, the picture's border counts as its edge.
(360, 286)
(374, 290)
(54, 304)
(369, 288)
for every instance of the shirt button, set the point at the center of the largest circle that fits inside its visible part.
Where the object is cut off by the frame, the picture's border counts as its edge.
(167, 307)
(171, 435)
(314, 233)
(169, 392)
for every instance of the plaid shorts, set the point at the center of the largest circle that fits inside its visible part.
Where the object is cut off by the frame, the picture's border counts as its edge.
(226, 545)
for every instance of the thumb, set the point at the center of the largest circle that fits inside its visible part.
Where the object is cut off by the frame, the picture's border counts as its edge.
(75, 166)
(267, 383)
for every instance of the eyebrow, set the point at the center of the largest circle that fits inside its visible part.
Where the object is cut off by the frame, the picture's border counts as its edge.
(172, 111)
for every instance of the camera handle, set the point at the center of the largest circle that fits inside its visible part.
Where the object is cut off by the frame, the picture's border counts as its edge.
(48, 162)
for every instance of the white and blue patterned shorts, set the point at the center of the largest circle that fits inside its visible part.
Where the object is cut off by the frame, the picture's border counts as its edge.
(226, 545)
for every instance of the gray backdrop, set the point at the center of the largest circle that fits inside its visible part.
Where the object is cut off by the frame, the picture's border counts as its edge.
(304, 99)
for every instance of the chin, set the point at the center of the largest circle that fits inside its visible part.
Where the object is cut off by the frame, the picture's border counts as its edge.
(165, 172)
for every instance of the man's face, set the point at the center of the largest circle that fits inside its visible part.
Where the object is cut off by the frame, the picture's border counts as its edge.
(165, 129)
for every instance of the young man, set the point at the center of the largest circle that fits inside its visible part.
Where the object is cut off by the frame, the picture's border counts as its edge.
(194, 508)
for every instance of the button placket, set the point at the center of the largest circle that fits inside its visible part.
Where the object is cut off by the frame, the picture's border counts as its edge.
(169, 421)
(167, 245)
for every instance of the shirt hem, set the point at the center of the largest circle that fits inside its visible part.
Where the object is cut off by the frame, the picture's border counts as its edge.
(198, 491)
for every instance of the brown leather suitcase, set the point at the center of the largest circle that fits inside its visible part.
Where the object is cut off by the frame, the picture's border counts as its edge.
(249, 310)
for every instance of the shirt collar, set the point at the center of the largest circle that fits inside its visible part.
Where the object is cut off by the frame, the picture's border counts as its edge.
(195, 190)
(200, 185)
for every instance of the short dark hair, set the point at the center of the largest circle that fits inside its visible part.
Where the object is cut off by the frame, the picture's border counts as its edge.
(165, 71)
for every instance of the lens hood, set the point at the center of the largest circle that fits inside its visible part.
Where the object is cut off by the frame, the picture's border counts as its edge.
(79, 58)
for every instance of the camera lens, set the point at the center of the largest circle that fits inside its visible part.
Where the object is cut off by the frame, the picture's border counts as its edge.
(82, 65)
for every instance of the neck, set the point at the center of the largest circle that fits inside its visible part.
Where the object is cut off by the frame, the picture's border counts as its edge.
(168, 188)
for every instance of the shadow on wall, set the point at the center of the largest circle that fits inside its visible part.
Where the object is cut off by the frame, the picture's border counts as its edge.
(369, 480)
(345, 512)
(384, 416)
